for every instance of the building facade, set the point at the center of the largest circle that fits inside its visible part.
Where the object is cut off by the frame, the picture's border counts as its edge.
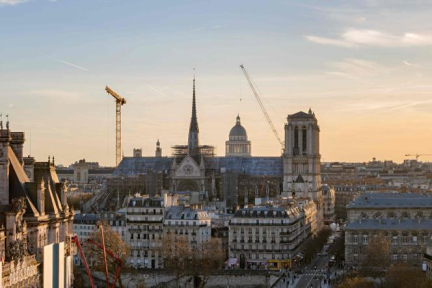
(329, 204)
(301, 159)
(194, 225)
(36, 219)
(144, 220)
(404, 219)
(268, 237)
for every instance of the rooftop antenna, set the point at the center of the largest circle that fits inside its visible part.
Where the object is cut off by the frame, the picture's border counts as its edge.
(30, 143)
(1, 121)
(7, 121)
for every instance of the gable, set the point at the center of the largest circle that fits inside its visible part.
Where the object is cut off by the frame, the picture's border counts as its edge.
(188, 168)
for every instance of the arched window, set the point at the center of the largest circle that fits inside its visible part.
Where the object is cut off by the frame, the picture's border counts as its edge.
(296, 141)
(304, 140)
(405, 215)
(363, 216)
(377, 215)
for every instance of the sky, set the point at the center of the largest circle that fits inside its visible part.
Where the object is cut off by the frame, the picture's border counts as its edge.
(363, 67)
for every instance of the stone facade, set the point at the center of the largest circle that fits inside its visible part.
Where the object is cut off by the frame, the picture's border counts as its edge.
(404, 219)
(144, 220)
(270, 237)
(34, 213)
(193, 224)
(329, 204)
(301, 160)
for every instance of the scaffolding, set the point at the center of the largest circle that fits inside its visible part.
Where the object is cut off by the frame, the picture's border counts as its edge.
(181, 151)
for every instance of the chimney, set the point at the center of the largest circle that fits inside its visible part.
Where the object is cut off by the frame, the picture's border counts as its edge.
(41, 197)
(17, 145)
(5, 139)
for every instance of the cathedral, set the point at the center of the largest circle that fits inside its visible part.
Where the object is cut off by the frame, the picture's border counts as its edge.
(36, 221)
(237, 178)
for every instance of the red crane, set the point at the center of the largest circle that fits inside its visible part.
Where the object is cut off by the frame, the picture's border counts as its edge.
(117, 260)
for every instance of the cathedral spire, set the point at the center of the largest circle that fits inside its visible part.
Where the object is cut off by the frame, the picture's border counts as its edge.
(193, 141)
(194, 121)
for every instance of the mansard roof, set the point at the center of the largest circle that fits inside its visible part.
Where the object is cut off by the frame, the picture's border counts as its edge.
(186, 213)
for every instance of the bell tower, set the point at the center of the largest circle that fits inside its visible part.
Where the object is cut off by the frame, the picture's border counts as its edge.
(302, 166)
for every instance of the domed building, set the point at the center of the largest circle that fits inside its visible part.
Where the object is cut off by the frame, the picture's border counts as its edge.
(238, 144)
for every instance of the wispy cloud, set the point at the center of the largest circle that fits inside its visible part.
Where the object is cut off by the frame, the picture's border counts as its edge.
(410, 64)
(11, 2)
(357, 38)
(157, 91)
(398, 107)
(68, 63)
(329, 41)
(355, 68)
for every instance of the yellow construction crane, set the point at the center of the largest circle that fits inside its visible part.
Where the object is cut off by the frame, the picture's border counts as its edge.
(262, 106)
(417, 155)
(120, 101)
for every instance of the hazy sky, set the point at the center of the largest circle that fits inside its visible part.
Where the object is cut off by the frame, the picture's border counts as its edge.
(364, 67)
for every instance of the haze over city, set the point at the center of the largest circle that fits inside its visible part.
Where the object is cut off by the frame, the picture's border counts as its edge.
(362, 66)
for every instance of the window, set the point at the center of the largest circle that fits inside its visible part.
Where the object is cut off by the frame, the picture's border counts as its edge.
(304, 142)
(355, 238)
(365, 239)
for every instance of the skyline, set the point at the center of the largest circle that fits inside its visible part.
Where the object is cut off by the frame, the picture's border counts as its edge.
(362, 67)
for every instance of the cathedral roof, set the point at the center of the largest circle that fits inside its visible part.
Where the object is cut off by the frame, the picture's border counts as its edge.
(255, 166)
(238, 129)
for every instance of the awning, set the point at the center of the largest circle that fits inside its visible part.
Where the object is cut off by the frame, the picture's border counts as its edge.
(232, 261)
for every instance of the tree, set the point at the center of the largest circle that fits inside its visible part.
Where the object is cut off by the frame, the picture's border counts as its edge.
(339, 248)
(315, 243)
(208, 258)
(113, 243)
(377, 258)
(355, 282)
(176, 253)
(401, 276)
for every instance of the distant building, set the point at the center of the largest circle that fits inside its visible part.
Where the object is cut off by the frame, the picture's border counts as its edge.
(402, 218)
(83, 172)
(193, 224)
(144, 220)
(238, 144)
(329, 204)
(137, 153)
(85, 224)
(344, 194)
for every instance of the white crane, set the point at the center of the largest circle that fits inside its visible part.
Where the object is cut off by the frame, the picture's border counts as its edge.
(262, 106)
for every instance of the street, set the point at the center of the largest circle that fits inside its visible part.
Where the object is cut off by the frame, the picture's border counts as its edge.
(311, 277)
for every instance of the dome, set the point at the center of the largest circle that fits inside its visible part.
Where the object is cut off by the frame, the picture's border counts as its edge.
(238, 129)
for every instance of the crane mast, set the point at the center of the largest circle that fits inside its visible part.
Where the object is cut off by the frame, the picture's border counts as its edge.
(261, 105)
(120, 101)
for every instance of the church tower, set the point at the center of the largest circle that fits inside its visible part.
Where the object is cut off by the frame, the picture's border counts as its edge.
(193, 139)
(301, 160)
(158, 152)
(302, 166)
